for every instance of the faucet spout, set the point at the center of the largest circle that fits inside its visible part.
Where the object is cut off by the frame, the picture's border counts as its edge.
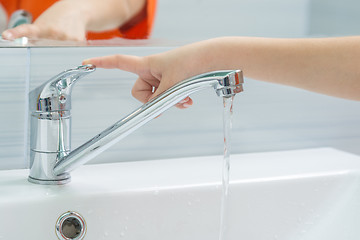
(225, 84)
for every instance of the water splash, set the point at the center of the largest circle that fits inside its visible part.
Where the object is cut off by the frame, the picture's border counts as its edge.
(227, 124)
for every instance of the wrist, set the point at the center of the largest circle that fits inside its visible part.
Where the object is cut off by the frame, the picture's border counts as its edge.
(210, 55)
(76, 10)
(81, 10)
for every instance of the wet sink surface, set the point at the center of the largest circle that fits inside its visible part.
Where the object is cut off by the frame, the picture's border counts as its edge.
(302, 194)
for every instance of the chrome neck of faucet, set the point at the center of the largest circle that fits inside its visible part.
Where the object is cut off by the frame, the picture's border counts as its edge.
(225, 84)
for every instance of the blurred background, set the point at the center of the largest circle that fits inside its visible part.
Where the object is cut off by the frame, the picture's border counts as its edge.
(202, 19)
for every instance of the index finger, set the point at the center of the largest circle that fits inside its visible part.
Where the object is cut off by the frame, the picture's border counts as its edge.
(123, 62)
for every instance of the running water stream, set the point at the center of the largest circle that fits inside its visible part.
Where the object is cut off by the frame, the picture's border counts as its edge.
(227, 121)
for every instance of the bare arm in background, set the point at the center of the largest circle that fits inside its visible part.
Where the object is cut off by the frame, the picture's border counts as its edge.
(71, 19)
(326, 65)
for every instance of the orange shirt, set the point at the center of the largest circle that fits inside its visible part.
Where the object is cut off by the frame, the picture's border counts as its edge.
(138, 27)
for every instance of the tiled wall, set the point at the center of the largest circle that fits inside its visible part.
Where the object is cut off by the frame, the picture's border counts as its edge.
(13, 71)
(267, 117)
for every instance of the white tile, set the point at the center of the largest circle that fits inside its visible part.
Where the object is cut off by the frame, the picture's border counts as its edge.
(12, 107)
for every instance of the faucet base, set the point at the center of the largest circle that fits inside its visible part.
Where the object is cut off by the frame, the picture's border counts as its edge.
(63, 179)
(42, 169)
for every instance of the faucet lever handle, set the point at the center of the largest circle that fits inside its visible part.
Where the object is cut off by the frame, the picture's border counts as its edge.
(63, 81)
(55, 94)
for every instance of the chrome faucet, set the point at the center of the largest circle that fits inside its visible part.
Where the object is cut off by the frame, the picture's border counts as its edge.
(50, 157)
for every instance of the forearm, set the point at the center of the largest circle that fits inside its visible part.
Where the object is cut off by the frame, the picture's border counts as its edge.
(101, 15)
(329, 66)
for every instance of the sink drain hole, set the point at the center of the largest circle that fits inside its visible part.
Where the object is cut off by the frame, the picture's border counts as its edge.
(70, 226)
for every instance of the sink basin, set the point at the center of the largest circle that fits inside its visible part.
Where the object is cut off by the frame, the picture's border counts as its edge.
(308, 194)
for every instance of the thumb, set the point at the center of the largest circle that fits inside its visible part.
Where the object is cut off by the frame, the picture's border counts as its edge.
(163, 86)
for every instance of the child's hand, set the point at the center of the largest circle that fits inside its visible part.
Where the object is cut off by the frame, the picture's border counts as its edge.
(153, 77)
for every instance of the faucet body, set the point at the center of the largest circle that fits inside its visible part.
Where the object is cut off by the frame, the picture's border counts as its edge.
(50, 125)
(51, 159)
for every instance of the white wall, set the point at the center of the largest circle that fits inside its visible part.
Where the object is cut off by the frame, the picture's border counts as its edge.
(202, 19)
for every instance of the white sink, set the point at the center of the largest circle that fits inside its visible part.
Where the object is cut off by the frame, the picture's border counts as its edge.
(309, 194)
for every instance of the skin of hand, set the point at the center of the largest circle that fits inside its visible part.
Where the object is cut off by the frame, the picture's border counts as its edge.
(71, 19)
(153, 77)
(326, 65)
